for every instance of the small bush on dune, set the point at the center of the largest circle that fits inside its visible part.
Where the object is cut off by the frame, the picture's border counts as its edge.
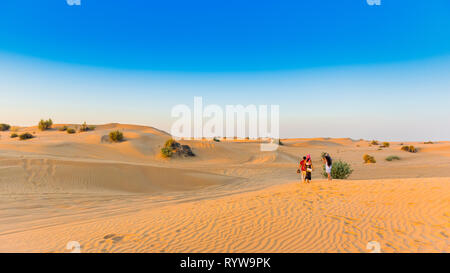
(71, 131)
(385, 144)
(166, 152)
(45, 124)
(4, 127)
(84, 127)
(340, 170)
(25, 136)
(429, 142)
(14, 135)
(392, 158)
(62, 129)
(216, 139)
(172, 147)
(116, 136)
(169, 143)
(410, 149)
(369, 159)
(374, 142)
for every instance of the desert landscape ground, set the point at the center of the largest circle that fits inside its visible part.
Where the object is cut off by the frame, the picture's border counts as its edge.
(231, 197)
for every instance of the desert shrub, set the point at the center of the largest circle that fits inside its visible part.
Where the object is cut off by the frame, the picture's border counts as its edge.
(45, 124)
(64, 128)
(25, 136)
(84, 127)
(392, 158)
(71, 131)
(166, 152)
(385, 144)
(14, 135)
(216, 139)
(410, 149)
(116, 136)
(369, 159)
(429, 142)
(4, 127)
(374, 142)
(340, 170)
(169, 143)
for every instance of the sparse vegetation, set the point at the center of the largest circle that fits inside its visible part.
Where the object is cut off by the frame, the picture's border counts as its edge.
(409, 148)
(374, 142)
(385, 145)
(166, 152)
(63, 128)
(170, 143)
(340, 170)
(116, 136)
(25, 136)
(84, 127)
(4, 127)
(14, 135)
(71, 131)
(172, 147)
(392, 158)
(216, 139)
(45, 124)
(369, 159)
(429, 142)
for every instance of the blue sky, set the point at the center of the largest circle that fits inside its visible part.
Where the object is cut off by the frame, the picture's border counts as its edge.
(336, 68)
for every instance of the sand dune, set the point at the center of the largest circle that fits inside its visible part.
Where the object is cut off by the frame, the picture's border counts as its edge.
(124, 197)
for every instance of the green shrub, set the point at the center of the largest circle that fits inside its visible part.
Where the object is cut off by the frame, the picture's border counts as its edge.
(25, 136)
(71, 131)
(369, 159)
(429, 142)
(116, 136)
(62, 129)
(166, 152)
(4, 127)
(169, 143)
(410, 149)
(340, 170)
(45, 124)
(392, 158)
(84, 127)
(374, 142)
(385, 144)
(216, 139)
(14, 135)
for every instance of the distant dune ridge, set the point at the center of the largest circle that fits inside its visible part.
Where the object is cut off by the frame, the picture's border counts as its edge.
(59, 187)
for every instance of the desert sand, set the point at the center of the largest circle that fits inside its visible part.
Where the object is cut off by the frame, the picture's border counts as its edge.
(231, 197)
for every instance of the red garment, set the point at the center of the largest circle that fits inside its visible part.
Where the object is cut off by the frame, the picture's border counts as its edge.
(303, 165)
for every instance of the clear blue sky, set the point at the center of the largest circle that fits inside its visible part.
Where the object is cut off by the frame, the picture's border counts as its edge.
(336, 68)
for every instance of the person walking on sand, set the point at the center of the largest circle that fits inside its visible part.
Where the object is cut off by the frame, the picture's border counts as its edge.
(328, 165)
(309, 169)
(302, 169)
